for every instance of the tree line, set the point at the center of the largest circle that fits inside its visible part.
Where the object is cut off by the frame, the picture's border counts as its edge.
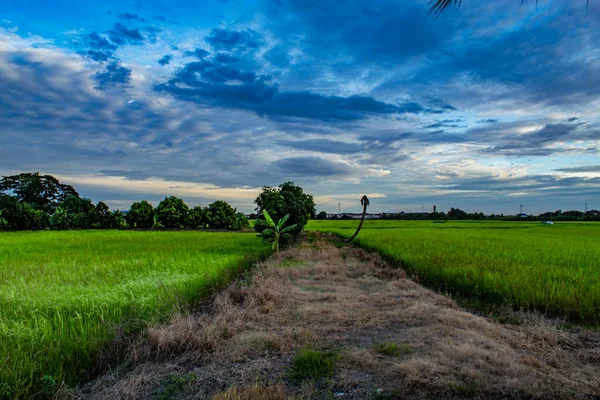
(32, 201)
(458, 214)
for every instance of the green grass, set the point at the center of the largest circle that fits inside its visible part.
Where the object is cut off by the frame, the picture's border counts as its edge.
(66, 296)
(393, 349)
(554, 269)
(313, 364)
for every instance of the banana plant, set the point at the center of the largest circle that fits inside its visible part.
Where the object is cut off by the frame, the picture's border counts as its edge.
(275, 231)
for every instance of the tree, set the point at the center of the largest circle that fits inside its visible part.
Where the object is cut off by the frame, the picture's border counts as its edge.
(286, 199)
(197, 218)
(60, 219)
(141, 215)
(43, 192)
(3, 221)
(221, 215)
(104, 218)
(81, 210)
(241, 221)
(364, 201)
(274, 232)
(456, 213)
(322, 215)
(172, 212)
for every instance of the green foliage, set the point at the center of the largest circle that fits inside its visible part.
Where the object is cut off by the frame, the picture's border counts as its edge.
(321, 216)
(274, 232)
(221, 215)
(241, 221)
(60, 219)
(141, 215)
(197, 218)
(66, 294)
(172, 212)
(120, 221)
(313, 364)
(3, 221)
(42, 192)
(286, 199)
(551, 269)
(173, 385)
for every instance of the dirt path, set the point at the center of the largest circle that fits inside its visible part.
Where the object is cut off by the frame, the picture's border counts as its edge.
(394, 338)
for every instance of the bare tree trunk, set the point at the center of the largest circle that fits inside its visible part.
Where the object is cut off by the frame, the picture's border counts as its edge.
(365, 202)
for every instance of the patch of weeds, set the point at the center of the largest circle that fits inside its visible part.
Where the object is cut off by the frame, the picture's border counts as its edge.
(313, 364)
(393, 349)
(464, 389)
(291, 262)
(173, 385)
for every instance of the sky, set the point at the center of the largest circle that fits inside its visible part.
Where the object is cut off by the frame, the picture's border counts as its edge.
(488, 107)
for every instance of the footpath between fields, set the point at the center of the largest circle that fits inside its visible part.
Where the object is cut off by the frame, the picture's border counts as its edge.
(318, 321)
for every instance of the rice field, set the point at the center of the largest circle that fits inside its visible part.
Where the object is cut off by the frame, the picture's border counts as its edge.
(66, 296)
(554, 269)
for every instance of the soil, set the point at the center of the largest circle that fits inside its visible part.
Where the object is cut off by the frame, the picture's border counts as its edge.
(316, 295)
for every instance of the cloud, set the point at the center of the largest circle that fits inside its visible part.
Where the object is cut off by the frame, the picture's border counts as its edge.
(199, 53)
(121, 35)
(576, 170)
(224, 39)
(97, 47)
(131, 17)
(322, 145)
(310, 166)
(113, 74)
(165, 60)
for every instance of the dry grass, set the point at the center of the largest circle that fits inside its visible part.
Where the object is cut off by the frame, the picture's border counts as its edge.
(316, 295)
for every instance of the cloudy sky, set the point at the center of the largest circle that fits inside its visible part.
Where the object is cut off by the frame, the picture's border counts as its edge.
(488, 107)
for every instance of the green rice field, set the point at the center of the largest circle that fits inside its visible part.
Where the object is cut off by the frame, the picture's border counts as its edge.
(551, 268)
(66, 296)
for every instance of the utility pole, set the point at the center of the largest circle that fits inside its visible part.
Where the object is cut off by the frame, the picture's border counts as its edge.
(521, 208)
(339, 208)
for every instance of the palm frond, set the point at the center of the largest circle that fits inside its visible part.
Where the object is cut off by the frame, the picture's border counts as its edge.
(438, 6)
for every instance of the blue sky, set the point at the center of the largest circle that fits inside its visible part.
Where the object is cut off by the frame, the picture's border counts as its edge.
(488, 107)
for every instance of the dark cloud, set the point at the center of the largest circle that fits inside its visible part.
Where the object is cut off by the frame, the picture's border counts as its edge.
(223, 39)
(487, 121)
(199, 53)
(165, 60)
(533, 144)
(323, 145)
(131, 17)
(278, 56)
(310, 166)
(113, 74)
(96, 47)
(122, 35)
(589, 168)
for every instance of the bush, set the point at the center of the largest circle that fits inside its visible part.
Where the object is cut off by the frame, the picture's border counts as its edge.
(221, 215)
(322, 215)
(286, 199)
(241, 221)
(172, 212)
(141, 215)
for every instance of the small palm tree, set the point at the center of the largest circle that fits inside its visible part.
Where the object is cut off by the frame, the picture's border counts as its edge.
(3, 221)
(365, 203)
(275, 231)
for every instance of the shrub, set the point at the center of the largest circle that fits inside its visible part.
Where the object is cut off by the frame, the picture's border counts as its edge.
(172, 212)
(141, 215)
(322, 215)
(241, 221)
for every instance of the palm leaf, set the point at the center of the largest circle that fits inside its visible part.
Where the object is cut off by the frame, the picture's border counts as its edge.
(438, 6)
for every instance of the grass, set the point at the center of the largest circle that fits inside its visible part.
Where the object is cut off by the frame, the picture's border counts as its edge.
(554, 269)
(313, 364)
(67, 297)
(393, 349)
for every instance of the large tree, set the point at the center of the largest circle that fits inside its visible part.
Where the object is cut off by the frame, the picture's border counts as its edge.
(172, 212)
(288, 198)
(141, 215)
(42, 192)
